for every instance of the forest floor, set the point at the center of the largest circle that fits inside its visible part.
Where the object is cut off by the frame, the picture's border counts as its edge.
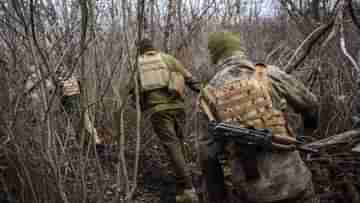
(336, 175)
(335, 170)
(156, 182)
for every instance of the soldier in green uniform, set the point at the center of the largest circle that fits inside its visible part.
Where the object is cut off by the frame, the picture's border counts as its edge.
(255, 96)
(162, 79)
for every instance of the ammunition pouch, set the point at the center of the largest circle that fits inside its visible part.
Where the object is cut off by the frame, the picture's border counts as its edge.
(70, 87)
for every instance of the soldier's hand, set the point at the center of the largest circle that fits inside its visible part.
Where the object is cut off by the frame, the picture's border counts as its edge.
(193, 84)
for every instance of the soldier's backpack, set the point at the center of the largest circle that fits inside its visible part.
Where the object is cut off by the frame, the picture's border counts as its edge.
(70, 87)
(155, 74)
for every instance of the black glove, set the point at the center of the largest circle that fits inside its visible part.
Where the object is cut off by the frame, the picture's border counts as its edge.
(193, 84)
(311, 120)
(355, 121)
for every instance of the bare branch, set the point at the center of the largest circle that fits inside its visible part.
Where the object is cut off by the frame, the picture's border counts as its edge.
(352, 15)
(343, 44)
(307, 44)
(335, 139)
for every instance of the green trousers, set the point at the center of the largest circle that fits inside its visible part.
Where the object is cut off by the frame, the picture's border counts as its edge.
(168, 125)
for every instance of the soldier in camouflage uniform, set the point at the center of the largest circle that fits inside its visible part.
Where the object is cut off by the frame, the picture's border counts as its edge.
(282, 175)
(162, 79)
(70, 100)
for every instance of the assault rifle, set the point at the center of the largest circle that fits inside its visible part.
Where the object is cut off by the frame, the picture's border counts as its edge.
(244, 136)
(254, 138)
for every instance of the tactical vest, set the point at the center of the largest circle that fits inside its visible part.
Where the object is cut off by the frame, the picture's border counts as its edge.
(247, 102)
(70, 87)
(153, 72)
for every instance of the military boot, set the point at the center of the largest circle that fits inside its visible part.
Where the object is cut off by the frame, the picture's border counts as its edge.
(187, 196)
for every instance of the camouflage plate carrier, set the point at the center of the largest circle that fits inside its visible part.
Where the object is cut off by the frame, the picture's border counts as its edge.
(247, 102)
(241, 94)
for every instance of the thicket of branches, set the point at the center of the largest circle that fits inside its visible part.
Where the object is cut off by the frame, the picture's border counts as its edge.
(316, 40)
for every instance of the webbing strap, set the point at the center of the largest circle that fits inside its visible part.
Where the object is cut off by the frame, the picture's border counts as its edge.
(275, 122)
(240, 110)
(271, 118)
(239, 99)
(232, 89)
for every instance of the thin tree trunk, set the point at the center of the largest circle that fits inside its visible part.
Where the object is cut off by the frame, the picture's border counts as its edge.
(169, 28)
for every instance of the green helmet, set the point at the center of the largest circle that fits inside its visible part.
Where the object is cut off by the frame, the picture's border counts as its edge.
(224, 44)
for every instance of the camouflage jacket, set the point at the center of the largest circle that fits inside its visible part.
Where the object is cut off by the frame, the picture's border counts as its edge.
(279, 171)
(162, 99)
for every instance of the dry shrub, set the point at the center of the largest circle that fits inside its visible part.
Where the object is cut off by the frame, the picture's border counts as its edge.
(64, 172)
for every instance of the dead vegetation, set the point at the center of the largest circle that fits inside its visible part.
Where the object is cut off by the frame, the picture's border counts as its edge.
(41, 161)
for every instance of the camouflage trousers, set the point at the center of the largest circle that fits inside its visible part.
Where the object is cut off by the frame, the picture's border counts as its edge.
(168, 125)
(219, 186)
(71, 105)
(308, 196)
(223, 180)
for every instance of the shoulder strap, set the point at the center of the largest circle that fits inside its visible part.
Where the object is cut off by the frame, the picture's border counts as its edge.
(151, 53)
